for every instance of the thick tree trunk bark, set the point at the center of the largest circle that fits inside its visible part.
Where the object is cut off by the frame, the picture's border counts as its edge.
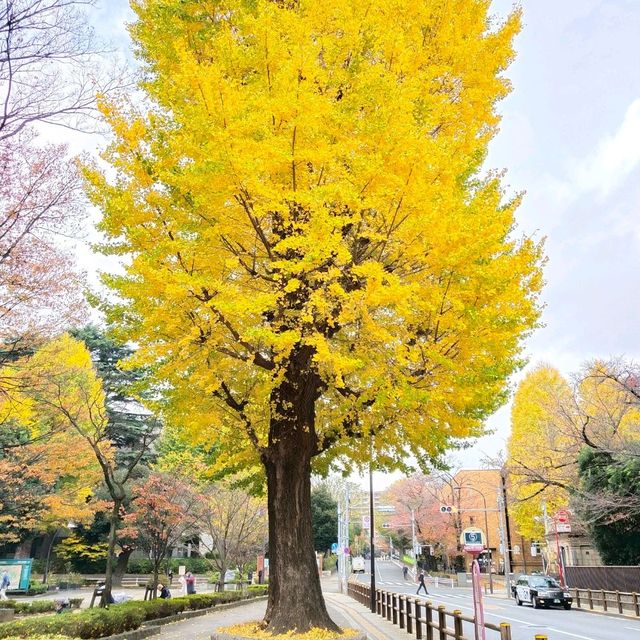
(295, 595)
(23, 550)
(121, 567)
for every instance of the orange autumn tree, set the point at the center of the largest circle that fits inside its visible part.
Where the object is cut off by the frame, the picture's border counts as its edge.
(314, 255)
(48, 472)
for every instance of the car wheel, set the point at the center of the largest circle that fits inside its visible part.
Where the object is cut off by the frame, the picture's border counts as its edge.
(567, 606)
(518, 601)
(536, 603)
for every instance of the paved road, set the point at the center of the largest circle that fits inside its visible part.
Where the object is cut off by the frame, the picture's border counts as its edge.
(525, 621)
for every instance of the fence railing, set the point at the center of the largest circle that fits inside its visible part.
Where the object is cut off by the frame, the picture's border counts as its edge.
(422, 619)
(616, 601)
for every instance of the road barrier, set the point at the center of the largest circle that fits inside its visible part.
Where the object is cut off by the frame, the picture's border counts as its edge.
(616, 601)
(422, 619)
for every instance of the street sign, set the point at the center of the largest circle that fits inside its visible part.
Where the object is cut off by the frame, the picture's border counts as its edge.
(447, 508)
(563, 527)
(472, 540)
(334, 547)
(366, 522)
(562, 516)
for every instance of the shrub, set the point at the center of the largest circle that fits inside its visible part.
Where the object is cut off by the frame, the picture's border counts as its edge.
(96, 623)
(37, 589)
(27, 608)
(42, 637)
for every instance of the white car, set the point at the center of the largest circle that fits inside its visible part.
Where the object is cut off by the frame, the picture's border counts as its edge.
(541, 591)
(357, 564)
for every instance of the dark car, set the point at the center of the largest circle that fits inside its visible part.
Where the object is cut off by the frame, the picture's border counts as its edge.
(541, 591)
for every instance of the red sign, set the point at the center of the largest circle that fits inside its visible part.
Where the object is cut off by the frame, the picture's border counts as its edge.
(562, 516)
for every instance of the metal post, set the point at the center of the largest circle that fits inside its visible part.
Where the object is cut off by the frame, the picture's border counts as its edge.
(371, 525)
(503, 536)
(560, 562)
(414, 542)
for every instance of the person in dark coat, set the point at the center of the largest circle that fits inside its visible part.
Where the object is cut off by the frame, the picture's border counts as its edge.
(421, 584)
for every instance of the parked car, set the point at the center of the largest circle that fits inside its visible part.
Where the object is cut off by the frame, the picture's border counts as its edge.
(541, 591)
(357, 564)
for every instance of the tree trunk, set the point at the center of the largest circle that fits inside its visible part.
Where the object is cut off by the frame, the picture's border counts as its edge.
(23, 550)
(295, 595)
(108, 575)
(121, 566)
(223, 571)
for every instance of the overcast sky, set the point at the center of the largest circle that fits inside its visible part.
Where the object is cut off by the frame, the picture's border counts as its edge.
(570, 138)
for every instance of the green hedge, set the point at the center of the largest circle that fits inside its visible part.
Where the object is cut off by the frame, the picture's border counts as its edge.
(42, 637)
(28, 608)
(144, 565)
(37, 589)
(97, 623)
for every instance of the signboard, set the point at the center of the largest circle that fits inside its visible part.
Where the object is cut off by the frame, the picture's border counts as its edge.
(563, 527)
(472, 540)
(562, 516)
(19, 573)
(366, 522)
(334, 547)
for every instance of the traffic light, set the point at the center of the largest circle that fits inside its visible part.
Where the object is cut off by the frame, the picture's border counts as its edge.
(446, 508)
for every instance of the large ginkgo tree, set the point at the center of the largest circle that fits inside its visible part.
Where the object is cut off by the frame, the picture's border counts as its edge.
(315, 258)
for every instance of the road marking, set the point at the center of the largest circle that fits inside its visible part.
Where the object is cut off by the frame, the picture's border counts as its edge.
(633, 628)
(573, 635)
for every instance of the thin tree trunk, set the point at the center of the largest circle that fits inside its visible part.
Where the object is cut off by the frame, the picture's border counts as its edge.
(108, 574)
(295, 595)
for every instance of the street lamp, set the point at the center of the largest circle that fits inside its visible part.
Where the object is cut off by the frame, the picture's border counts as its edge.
(371, 524)
(45, 577)
(486, 526)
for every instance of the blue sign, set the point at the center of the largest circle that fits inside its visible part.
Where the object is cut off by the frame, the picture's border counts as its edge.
(334, 547)
(19, 573)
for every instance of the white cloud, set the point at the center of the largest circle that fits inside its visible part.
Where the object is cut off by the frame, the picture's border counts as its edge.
(615, 158)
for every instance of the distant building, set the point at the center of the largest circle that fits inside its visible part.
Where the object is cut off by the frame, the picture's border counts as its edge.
(474, 494)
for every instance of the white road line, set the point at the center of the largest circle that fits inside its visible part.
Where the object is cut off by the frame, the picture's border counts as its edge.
(573, 635)
(633, 628)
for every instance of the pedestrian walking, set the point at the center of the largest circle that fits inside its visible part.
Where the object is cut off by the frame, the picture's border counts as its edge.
(405, 572)
(5, 583)
(190, 579)
(421, 584)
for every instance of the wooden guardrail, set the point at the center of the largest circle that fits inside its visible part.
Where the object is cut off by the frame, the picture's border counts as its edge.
(422, 619)
(615, 601)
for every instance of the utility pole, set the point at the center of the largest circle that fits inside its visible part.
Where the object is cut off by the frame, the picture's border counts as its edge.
(371, 534)
(345, 534)
(505, 543)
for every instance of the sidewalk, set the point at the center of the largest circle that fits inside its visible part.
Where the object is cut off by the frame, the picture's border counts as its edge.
(345, 611)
